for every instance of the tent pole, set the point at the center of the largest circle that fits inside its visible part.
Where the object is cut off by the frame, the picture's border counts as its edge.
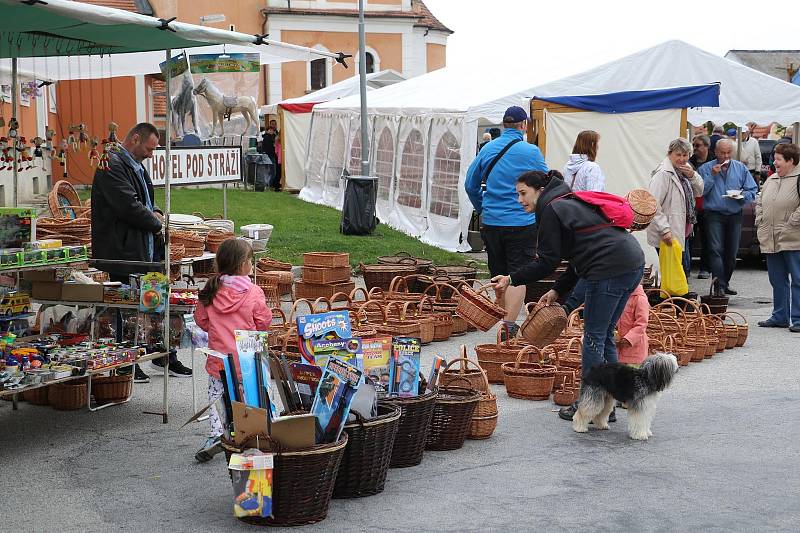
(13, 142)
(362, 86)
(739, 143)
(167, 208)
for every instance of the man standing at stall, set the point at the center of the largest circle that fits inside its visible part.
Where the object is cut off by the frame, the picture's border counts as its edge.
(126, 225)
(508, 231)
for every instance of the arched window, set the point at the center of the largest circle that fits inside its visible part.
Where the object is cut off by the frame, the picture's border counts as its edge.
(384, 162)
(319, 75)
(354, 165)
(412, 169)
(444, 182)
(333, 172)
(370, 60)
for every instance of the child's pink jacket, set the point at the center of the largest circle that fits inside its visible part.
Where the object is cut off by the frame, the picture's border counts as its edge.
(231, 310)
(632, 326)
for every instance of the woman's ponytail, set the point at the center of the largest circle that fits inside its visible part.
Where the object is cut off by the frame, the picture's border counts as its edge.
(538, 179)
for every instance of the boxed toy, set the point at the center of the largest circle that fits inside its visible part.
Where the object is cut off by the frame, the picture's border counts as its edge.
(331, 325)
(17, 226)
(348, 350)
(404, 370)
(377, 353)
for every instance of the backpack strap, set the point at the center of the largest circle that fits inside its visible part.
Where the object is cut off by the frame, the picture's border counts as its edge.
(494, 162)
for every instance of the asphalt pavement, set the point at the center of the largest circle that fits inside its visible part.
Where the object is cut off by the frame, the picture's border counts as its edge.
(724, 457)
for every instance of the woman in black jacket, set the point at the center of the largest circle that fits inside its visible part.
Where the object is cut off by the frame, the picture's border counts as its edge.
(606, 257)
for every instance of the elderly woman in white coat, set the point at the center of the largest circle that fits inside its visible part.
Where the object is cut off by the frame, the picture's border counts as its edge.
(675, 185)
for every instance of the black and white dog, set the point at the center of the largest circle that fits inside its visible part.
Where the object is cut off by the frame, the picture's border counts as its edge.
(639, 388)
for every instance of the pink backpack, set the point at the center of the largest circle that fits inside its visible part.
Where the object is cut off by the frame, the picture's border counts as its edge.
(615, 209)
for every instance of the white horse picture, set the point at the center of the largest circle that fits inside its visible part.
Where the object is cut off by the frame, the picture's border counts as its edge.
(223, 106)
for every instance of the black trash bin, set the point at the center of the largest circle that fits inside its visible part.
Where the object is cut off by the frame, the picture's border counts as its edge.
(358, 210)
(259, 170)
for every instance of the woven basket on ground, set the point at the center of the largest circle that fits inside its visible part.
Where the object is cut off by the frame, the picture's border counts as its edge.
(36, 396)
(544, 323)
(216, 237)
(484, 419)
(415, 420)
(731, 331)
(468, 272)
(715, 322)
(302, 481)
(398, 327)
(284, 279)
(368, 453)
(442, 321)
(743, 327)
(492, 356)
(401, 258)
(67, 396)
(381, 275)
(467, 370)
(567, 392)
(112, 389)
(526, 379)
(477, 309)
(326, 259)
(399, 289)
(452, 416)
(644, 208)
(695, 337)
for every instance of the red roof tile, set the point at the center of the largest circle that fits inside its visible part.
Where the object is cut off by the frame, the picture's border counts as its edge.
(427, 20)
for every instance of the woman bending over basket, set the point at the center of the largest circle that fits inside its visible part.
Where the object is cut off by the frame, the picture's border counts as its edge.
(608, 258)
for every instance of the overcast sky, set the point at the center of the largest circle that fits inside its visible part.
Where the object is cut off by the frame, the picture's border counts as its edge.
(564, 37)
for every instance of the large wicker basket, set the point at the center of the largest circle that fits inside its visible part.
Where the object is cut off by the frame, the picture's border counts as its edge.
(36, 396)
(528, 380)
(365, 464)
(112, 389)
(544, 324)
(475, 376)
(484, 420)
(452, 416)
(67, 396)
(644, 208)
(381, 275)
(415, 419)
(302, 482)
(492, 356)
(477, 309)
(326, 259)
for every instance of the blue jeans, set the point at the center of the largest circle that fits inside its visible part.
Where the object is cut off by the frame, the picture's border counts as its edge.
(785, 295)
(604, 303)
(722, 243)
(576, 297)
(687, 255)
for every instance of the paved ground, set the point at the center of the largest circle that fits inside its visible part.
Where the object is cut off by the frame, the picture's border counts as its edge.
(724, 458)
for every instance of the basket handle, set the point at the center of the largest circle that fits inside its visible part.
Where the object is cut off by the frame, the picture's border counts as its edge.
(503, 327)
(421, 305)
(449, 286)
(373, 303)
(355, 292)
(485, 288)
(574, 318)
(316, 306)
(693, 303)
(407, 261)
(526, 351)
(465, 380)
(274, 446)
(403, 255)
(295, 305)
(340, 296)
(376, 293)
(740, 315)
(437, 291)
(394, 286)
(275, 312)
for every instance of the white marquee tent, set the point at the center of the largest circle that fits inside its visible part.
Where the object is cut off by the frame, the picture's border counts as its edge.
(423, 130)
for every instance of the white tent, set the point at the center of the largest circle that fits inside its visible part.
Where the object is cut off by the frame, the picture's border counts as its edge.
(296, 119)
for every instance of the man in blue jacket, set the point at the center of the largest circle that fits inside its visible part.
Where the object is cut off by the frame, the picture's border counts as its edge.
(508, 231)
(723, 211)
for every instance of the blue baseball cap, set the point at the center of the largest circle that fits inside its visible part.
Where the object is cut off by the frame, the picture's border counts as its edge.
(731, 132)
(515, 114)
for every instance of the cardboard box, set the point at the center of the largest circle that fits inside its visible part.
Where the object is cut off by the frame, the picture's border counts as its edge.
(82, 292)
(50, 274)
(46, 290)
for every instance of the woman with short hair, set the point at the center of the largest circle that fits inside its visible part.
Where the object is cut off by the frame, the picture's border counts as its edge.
(581, 172)
(675, 185)
(778, 223)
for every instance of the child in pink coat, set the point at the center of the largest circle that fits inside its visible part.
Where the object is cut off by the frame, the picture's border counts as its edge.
(632, 346)
(228, 301)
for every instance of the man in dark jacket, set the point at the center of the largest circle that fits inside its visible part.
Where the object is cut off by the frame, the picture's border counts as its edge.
(126, 225)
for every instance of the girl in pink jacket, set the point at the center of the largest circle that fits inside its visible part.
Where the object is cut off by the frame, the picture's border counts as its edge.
(632, 328)
(228, 301)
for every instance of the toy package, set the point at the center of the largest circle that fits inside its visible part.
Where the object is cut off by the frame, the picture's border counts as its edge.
(248, 344)
(251, 475)
(436, 368)
(345, 349)
(306, 377)
(333, 398)
(377, 354)
(153, 292)
(332, 325)
(404, 370)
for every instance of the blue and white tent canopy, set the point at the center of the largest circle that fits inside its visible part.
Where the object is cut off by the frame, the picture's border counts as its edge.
(645, 100)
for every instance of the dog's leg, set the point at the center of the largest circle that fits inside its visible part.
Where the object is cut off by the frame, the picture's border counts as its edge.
(650, 403)
(637, 420)
(601, 420)
(589, 406)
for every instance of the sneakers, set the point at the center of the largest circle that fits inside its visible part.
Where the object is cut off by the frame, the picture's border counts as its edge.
(176, 369)
(703, 275)
(566, 413)
(769, 323)
(139, 376)
(210, 448)
(513, 328)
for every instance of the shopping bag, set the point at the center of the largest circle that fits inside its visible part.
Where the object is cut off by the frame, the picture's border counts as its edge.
(670, 263)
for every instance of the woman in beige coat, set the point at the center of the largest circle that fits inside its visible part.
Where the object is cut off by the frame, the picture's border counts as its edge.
(778, 223)
(675, 186)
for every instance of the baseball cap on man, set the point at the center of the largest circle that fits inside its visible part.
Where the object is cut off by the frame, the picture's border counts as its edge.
(514, 114)
(731, 132)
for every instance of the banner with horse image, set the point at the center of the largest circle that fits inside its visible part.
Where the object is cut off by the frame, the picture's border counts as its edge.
(224, 89)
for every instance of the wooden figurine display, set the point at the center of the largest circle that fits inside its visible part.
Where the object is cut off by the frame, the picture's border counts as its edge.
(94, 155)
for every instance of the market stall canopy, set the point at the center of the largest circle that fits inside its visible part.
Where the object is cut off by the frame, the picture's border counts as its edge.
(65, 28)
(746, 94)
(347, 87)
(634, 101)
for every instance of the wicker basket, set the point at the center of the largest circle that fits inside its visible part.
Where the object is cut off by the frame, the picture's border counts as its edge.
(452, 416)
(478, 310)
(283, 278)
(381, 275)
(365, 464)
(456, 272)
(423, 266)
(216, 237)
(38, 396)
(326, 275)
(544, 323)
(67, 396)
(743, 328)
(64, 202)
(567, 392)
(302, 482)
(326, 259)
(644, 208)
(302, 289)
(475, 376)
(528, 380)
(484, 420)
(112, 389)
(492, 356)
(267, 264)
(415, 420)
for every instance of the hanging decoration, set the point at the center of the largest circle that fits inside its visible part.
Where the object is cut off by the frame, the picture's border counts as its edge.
(72, 140)
(6, 159)
(38, 152)
(94, 155)
(62, 156)
(83, 136)
(103, 161)
(112, 135)
(48, 145)
(13, 126)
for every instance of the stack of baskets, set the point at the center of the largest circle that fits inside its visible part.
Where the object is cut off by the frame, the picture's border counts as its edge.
(71, 231)
(64, 202)
(283, 279)
(381, 275)
(193, 243)
(484, 419)
(215, 237)
(324, 274)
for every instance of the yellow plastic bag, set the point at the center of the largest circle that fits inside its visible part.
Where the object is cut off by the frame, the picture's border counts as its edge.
(670, 263)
